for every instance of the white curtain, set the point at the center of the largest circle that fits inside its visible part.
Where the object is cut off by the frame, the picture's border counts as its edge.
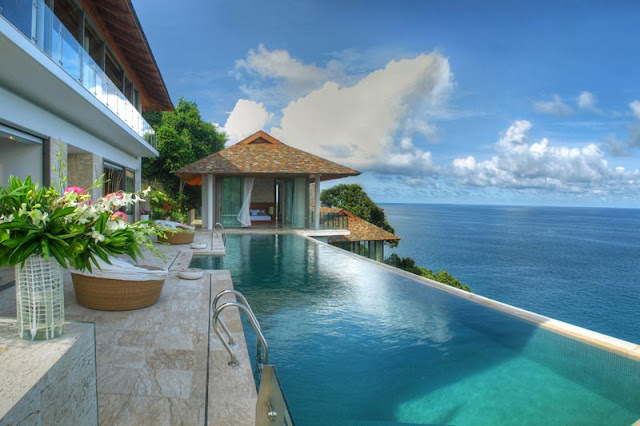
(244, 217)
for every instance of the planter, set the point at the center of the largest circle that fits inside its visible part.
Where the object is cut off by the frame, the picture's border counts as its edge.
(39, 298)
(180, 237)
(144, 217)
(107, 294)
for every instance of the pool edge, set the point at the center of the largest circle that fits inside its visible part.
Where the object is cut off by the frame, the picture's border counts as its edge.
(592, 338)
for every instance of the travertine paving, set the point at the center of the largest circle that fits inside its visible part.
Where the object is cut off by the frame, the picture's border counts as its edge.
(153, 364)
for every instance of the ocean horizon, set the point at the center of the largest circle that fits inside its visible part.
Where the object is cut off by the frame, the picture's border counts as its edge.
(574, 264)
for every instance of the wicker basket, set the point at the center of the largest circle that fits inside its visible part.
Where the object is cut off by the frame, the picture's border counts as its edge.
(181, 237)
(116, 295)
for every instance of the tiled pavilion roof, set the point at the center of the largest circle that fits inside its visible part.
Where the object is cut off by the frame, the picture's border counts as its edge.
(262, 155)
(360, 229)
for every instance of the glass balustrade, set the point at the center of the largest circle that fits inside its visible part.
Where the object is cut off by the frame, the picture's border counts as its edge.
(38, 22)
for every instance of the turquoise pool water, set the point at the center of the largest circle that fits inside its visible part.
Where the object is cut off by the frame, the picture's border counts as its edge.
(357, 344)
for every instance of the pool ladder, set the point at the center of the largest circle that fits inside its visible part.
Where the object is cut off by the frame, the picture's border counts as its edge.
(271, 407)
(223, 233)
(243, 305)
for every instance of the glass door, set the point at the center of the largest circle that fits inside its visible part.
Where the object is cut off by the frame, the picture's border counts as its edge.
(295, 201)
(231, 201)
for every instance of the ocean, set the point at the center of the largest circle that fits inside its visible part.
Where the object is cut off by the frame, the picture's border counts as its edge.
(578, 265)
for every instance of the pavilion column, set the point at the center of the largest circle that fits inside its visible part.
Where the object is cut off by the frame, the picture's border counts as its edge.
(203, 188)
(316, 207)
(210, 215)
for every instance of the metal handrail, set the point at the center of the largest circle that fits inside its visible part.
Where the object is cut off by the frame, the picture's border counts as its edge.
(222, 232)
(214, 306)
(256, 327)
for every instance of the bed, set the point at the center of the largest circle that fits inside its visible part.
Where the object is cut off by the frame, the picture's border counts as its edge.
(259, 212)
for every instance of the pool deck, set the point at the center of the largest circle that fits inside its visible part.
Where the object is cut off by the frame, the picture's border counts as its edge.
(164, 365)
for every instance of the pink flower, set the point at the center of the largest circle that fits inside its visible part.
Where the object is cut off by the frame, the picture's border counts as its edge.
(76, 190)
(120, 215)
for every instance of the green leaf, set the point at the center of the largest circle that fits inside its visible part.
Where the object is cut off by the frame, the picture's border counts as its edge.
(59, 257)
(62, 212)
(44, 245)
(101, 223)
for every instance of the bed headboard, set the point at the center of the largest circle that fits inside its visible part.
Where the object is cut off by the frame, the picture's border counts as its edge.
(263, 206)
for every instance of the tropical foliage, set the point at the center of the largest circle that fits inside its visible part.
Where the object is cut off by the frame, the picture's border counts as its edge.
(69, 226)
(183, 137)
(409, 265)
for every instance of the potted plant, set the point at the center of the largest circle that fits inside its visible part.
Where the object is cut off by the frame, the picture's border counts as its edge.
(43, 230)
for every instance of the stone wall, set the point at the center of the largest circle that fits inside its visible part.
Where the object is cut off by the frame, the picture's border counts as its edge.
(264, 191)
(84, 169)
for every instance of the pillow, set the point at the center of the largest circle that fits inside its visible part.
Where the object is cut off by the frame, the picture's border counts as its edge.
(262, 213)
(254, 212)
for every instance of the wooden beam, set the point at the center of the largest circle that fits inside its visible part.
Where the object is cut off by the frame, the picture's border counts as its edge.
(123, 20)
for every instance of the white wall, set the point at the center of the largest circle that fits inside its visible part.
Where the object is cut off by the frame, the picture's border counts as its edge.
(20, 159)
(18, 112)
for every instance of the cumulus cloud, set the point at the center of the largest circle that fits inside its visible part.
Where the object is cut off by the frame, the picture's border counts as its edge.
(246, 118)
(634, 129)
(520, 163)
(635, 109)
(554, 107)
(364, 125)
(615, 147)
(587, 101)
(276, 75)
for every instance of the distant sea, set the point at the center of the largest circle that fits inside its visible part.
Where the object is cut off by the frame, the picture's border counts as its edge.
(578, 265)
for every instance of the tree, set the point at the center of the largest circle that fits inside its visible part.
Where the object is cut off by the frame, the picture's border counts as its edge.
(409, 265)
(354, 199)
(183, 137)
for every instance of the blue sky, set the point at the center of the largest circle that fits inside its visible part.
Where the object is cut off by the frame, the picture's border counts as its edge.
(453, 101)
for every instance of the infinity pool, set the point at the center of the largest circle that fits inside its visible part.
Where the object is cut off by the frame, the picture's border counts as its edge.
(357, 344)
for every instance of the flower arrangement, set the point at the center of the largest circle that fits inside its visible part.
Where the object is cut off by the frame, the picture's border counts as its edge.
(68, 225)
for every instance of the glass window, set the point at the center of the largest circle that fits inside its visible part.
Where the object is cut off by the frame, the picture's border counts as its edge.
(128, 89)
(231, 201)
(18, 12)
(114, 177)
(118, 178)
(113, 70)
(70, 15)
(93, 44)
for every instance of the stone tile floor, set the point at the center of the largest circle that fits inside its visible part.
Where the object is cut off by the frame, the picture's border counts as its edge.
(163, 365)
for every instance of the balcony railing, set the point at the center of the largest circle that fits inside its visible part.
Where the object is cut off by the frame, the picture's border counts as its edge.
(39, 24)
(331, 220)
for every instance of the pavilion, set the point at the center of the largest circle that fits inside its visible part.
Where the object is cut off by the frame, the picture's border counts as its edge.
(262, 181)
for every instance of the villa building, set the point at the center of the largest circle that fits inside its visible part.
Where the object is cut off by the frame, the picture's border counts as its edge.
(364, 238)
(76, 75)
(262, 181)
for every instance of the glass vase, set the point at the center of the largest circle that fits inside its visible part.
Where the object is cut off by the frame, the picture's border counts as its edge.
(39, 298)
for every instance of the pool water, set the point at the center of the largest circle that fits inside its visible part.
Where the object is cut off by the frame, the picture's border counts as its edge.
(357, 344)
(206, 261)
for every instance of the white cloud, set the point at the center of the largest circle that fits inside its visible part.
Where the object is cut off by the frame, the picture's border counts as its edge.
(587, 101)
(284, 76)
(246, 118)
(615, 147)
(520, 163)
(553, 107)
(635, 109)
(358, 125)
